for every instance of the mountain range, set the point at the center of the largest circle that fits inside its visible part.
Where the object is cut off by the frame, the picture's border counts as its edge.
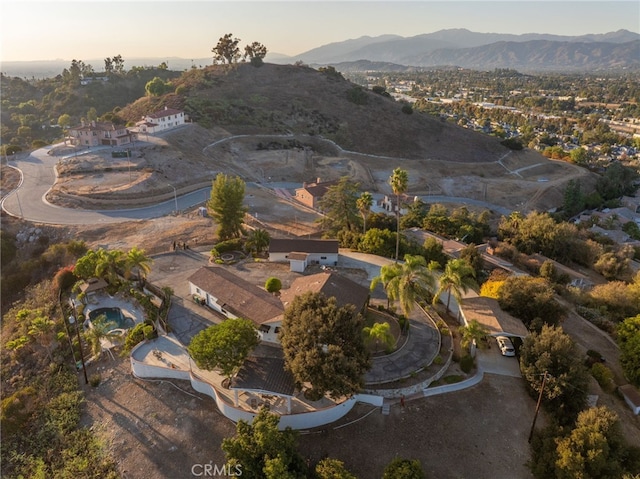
(467, 49)
(530, 52)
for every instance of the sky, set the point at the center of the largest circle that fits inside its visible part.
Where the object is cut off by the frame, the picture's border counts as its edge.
(96, 29)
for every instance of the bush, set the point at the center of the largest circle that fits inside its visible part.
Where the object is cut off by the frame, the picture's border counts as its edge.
(94, 380)
(438, 360)
(149, 332)
(604, 376)
(357, 95)
(134, 337)
(407, 109)
(226, 246)
(466, 363)
(273, 285)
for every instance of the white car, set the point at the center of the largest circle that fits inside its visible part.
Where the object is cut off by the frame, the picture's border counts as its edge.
(506, 346)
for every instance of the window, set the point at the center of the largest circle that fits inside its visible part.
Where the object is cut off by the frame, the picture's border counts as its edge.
(323, 257)
(264, 328)
(277, 329)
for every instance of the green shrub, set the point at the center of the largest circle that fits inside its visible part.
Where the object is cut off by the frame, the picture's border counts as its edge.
(357, 95)
(134, 337)
(452, 378)
(466, 363)
(94, 380)
(149, 332)
(273, 285)
(604, 376)
(226, 246)
(407, 109)
(438, 360)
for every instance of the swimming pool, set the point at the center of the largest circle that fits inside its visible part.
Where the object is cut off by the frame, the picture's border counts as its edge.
(114, 315)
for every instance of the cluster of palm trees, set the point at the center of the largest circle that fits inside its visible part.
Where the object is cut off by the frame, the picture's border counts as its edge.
(109, 264)
(414, 280)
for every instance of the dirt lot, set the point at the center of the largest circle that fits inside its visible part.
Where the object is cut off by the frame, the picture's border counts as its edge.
(186, 159)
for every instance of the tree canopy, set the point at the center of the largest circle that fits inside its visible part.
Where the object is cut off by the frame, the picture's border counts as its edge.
(554, 352)
(629, 342)
(530, 299)
(260, 451)
(400, 468)
(224, 346)
(226, 50)
(226, 205)
(339, 205)
(323, 345)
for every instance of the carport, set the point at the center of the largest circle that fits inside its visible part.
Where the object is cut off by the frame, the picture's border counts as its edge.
(488, 313)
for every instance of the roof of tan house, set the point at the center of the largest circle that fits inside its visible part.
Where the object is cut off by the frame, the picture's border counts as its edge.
(236, 295)
(331, 285)
(300, 245)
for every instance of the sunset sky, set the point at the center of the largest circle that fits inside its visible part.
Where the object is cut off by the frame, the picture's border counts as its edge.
(91, 29)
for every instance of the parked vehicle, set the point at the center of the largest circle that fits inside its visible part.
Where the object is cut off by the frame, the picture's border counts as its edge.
(506, 346)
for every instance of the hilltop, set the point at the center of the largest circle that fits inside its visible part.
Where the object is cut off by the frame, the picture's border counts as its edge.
(297, 99)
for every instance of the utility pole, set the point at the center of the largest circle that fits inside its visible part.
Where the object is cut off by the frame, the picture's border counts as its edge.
(535, 416)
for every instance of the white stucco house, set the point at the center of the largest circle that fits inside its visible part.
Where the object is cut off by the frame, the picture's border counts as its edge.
(161, 120)
(300, 253)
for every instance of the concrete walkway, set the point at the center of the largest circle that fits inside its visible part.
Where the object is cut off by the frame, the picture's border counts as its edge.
(421, 348)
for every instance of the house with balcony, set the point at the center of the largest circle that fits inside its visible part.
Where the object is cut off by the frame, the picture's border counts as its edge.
(100, 134)
(161, 120)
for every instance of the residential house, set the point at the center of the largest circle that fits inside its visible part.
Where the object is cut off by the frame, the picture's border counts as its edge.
(161, 120)
(301, 252)
(390, 203)
(100, 133)
(332, 285)
(311, 193)
(234, 297)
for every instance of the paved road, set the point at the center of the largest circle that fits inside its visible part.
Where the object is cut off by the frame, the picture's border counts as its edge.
(28, 201)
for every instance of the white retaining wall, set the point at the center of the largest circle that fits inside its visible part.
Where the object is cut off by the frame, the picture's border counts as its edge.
(295, 421)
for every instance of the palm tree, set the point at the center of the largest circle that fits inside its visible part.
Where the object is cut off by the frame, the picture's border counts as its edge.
(258, 240)
(473, 332)
(100, 329)
(136, 259)
(364, 204)
(388, 273)
(43, 329)
(407, 282)
(109, 263)
(399, 182)
(379, 334)
(458, 277)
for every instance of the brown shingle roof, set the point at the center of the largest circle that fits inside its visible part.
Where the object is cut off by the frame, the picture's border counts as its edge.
(332, 285)
(317, 190)
(236, 295)
(266, 374)
(300, 245)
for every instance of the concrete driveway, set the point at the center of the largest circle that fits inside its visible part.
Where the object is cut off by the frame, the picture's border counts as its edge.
(493, 362)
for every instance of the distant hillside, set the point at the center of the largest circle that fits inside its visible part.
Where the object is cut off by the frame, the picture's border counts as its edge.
(468, 49)
(299, 99)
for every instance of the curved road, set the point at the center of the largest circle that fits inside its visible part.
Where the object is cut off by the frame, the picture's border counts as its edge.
(28, 200)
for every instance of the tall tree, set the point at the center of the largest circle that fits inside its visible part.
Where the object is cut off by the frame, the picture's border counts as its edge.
(226, 205)
(364, 204)
(109, 264)
(260, 451)
(407, 282)
(530, 299)
(399, 182)
(339, 207)
(43, 330)
(379, 334)
(224, 346)
(139, 262)
(226, 50)
(256, 52)
(100, 330)
(458, 277)
(323, 345)
(553, 352)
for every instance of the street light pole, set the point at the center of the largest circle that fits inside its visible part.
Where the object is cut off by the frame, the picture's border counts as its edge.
(175, 198)
(72, 320)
